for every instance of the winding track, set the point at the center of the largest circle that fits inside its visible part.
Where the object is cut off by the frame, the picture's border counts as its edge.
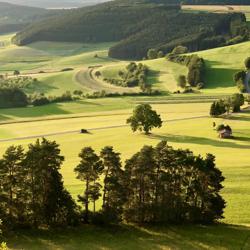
(90, 129)
(86, 79)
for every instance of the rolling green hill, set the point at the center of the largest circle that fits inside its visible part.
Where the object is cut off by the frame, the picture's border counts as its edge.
(52, 57)
(221, 64)
(14, 17)
(137, 27)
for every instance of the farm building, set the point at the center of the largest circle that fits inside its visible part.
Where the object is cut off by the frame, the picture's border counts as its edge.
(225, 131)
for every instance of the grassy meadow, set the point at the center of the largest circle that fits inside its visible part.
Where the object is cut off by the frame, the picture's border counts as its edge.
(187, 125)
(47, 60)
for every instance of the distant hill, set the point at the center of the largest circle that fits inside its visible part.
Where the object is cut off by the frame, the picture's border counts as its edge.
(55, 3)
(15, 17)
(137, 26)
(11, 13)
(82, 3)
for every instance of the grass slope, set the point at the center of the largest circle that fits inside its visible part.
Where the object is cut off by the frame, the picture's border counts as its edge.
(221, 65)
(52, 57)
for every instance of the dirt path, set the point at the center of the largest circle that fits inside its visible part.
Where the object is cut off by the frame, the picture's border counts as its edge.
(90, 129)
(86, 78)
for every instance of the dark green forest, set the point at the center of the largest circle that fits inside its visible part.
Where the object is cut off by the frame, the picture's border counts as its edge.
(137, 27)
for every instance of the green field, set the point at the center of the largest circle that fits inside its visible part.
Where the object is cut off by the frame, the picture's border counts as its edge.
(221, 65)
(52, 57)
(187, 125)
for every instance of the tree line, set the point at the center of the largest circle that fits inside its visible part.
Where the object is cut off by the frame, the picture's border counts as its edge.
(227, 105)
(194, 63)
(155, 185)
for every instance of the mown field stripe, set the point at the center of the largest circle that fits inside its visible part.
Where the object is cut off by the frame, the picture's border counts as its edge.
(90, 129)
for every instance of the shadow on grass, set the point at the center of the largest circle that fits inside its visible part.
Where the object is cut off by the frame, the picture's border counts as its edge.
(3, 117)
(153, 77)
(218, 77)
(31, 112)
(200, 140)
(133, 237)
(239, 118)
(40, 87)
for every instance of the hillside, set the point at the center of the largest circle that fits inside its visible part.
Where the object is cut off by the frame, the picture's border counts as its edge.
(136, 27)
(55, 3)
(15, 17)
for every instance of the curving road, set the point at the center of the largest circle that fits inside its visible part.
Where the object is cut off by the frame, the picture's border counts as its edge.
(85, 78)
(90, 129)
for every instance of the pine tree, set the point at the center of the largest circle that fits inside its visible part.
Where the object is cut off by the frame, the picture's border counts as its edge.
(12, 184)
(113, 192)
(140, 170)
(49, 202)
(89, 171)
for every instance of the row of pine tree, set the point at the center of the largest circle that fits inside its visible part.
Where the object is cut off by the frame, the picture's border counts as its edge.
(156, 185)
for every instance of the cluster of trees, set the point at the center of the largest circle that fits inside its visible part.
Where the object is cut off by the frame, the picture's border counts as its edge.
(156, 185)
(31, 187)
(133, 25)
(21, 82)
(134, 75)
(195, 64)
(16, 97)
(12, 97)
(154, 54)
(240, 77)
(41, 99)
(230, 104)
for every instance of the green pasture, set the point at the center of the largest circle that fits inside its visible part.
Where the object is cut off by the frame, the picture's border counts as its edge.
(46, 60)
(187, 126)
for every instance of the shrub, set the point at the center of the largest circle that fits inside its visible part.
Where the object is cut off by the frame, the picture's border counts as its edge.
(12, 97)
(39, 101)
(247, 63)
(182, 81)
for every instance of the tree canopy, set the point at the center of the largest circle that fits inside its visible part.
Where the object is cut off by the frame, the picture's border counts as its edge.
(144, 119)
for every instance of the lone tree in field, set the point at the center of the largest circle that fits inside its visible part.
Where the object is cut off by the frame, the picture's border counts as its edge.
(144, 119)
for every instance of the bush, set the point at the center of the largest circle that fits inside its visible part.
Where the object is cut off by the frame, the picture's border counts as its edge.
(39, 101)
(180, 50)
(12, 97)
(200, 85)
(134, 75)
(182, 81)
(247, 63)
(195, 64)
